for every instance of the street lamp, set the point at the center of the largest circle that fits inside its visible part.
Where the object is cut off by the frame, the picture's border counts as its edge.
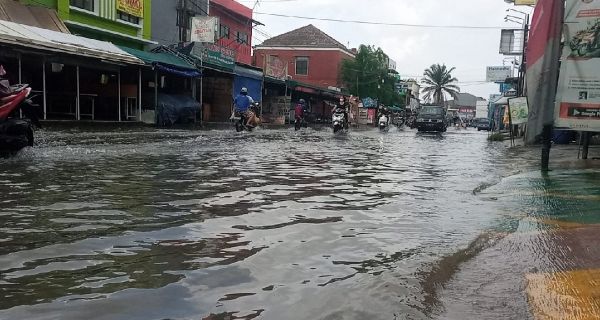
(511, 9)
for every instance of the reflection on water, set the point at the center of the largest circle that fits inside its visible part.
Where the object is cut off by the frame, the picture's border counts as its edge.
(275, 224)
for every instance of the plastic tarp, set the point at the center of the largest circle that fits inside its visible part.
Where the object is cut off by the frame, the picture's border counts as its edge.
(175, 109)
(369, 103)
(250, 79)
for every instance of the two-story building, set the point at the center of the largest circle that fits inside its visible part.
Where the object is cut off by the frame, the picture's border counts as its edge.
(312, 62)
(312, 56)
(122, 22)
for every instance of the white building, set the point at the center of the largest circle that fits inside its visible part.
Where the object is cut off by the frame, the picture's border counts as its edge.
(481, 109)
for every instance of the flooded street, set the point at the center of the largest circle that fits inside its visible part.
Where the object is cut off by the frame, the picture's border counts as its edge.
(278, 224)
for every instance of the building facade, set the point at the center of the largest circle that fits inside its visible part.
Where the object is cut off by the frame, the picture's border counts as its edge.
(171, 20)
(235, 28)
(122, 22)
(311, 56)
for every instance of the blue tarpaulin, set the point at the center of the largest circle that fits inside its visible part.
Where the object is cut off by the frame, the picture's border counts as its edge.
(250, 79)
(369, 103)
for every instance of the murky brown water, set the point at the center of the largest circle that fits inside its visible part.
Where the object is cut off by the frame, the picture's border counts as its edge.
(270, 225)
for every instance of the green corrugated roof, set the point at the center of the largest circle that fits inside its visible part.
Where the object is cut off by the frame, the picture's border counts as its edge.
(161, 57)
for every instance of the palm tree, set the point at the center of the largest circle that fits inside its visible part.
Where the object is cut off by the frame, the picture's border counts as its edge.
(439, 81)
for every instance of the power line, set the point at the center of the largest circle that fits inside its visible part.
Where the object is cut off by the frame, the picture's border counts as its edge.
(382, 23)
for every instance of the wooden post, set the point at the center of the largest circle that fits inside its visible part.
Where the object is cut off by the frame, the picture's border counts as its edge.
(119, 92)
(155, 90)
(20, 81)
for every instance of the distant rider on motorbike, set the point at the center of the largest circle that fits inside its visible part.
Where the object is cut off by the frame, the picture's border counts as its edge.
(384, 111)
(343, 106)
(300, 110)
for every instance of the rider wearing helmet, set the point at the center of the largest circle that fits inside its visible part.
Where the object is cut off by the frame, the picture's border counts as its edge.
(242, 104)
(344, 107)
(300, 110)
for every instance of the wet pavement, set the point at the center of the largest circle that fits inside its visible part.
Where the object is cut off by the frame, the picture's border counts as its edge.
(277, 224)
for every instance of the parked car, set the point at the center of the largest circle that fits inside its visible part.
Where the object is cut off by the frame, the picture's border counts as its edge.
(482, 124)
(432, 118)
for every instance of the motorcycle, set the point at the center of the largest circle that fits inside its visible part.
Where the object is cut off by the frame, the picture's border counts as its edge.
(16, 134)
(338, 121)
(247, 121)
(383, 122)
(300, 123)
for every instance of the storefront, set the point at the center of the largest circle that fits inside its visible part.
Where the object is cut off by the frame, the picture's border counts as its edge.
(72, 78)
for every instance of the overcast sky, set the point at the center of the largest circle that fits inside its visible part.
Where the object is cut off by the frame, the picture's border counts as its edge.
(413, 48)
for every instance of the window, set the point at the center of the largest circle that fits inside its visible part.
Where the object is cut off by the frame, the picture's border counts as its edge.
(302, 66)
(123, 16)
(241, 37)
(83, 4)
(223, 31)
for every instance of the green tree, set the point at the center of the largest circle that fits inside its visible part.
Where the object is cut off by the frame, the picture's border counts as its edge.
(367, 75)
(438, 82)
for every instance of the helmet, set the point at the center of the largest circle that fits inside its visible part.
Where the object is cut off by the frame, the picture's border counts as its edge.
(244, 90)
(302, 101)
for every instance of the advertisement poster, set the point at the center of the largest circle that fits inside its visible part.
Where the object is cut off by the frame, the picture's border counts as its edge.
(578, 96)
(204, 29)
(275, 68)
(133, 7)
(519, 110)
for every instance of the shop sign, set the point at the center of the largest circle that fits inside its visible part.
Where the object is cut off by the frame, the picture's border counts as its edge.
(204, 29)
(498, 74)
(132, 7)
(215, 55)
(578, 95)
(276, 68)
(525, 2)
(519, 110)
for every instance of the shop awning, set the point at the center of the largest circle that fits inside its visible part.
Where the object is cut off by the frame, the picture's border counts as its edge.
(165, 62)
(35, 16)
(19, 35)
(248, 72)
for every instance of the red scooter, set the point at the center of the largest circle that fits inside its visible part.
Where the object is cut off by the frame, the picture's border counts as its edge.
(16, 134)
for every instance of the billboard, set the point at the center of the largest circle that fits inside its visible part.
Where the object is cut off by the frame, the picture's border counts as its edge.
(204, 29)
(578, 96)
(132, 7)
(519, 110)
(498, 74)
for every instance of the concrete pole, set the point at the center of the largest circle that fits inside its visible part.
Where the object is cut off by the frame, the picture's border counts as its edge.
(20, 81)
(546, 145)
(155, 90)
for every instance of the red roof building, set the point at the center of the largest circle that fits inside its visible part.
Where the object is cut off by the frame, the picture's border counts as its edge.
(311, 55)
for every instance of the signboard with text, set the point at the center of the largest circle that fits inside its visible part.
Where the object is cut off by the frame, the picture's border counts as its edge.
(215, 55)
(132, 7)
(204, 29)
(519, 110)
(525, 2)
(498, 74)
(578, 94)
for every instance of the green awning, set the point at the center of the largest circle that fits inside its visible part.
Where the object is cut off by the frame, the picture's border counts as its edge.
(159, 58)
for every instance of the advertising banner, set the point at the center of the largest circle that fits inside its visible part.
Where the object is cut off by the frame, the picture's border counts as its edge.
(204, 29)
(132, 7)
(275, 68)
(519, 110)
(498, 74)
(578, 95)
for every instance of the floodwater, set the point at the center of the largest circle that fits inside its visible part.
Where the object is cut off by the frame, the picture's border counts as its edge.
(273, 224)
